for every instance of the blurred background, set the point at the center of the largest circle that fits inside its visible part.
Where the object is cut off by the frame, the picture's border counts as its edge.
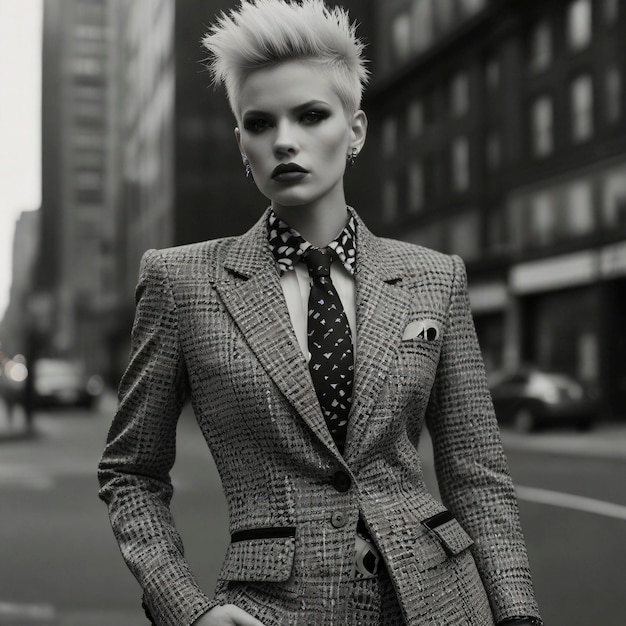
(497, 132)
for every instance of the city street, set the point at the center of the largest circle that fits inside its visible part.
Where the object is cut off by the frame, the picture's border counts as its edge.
(60, 565)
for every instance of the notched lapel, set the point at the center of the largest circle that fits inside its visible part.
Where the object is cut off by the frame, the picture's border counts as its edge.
(254, 298)
(381, 315)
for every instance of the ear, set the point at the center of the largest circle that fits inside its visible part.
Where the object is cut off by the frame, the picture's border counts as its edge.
(238, 138)
(358, 130)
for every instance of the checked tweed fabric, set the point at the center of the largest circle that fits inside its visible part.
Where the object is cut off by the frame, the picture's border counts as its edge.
(330, 345)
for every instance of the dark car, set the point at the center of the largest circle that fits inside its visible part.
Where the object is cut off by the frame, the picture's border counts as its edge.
(530, 398)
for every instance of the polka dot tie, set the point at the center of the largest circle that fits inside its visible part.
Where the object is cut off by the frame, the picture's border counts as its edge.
(330, 345)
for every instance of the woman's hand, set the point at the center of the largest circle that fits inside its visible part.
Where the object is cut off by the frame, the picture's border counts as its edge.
(227, 615)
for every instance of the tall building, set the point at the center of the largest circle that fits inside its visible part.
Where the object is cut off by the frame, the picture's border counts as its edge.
(498, 132)
(26, 241)
(76, 263)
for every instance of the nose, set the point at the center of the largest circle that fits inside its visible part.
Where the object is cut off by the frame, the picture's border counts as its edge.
(285, 141)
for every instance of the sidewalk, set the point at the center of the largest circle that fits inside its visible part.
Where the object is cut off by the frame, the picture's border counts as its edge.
(605, 440)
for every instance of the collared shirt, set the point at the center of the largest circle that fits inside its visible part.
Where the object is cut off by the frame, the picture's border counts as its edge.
(288, 246)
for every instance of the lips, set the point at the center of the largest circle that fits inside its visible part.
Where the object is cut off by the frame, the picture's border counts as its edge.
(288, 171)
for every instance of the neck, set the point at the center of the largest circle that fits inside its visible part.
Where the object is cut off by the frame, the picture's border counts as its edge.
(319, 224)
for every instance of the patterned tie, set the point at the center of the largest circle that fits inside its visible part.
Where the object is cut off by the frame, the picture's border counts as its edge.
(330, 345)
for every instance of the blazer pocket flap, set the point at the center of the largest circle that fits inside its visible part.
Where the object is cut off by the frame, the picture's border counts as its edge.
(445, 527)
(262, 559)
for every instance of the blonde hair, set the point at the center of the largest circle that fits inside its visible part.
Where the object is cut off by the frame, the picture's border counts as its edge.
(262, 33)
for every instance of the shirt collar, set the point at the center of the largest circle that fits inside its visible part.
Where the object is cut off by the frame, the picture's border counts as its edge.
(288, 245)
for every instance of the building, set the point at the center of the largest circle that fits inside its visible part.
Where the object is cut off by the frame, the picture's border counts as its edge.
(13, 330)
(498, 132)
(138, 152)
(76, 263)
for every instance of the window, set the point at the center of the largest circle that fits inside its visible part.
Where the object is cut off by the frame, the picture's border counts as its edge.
(543, 220)
(416, 118)
(540, 46)
(464, 235)
(579, 214)
(614, 197)
(579, 24)
(416, 187)
(469, 7)
(582, 108)
(390, 137)
(444, 14)
(401, 36)
(422, 24)
(87, 66)
(542, 126)
(611, 11)
(460, 164)
(492, 75)
(613, 86)
(459, 94)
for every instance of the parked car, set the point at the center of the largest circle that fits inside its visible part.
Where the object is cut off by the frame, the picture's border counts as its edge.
(60, 382)
(56, 382)
(529, 398)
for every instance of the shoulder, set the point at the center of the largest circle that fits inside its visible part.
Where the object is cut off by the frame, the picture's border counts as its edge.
(204, 257)
(411, 256)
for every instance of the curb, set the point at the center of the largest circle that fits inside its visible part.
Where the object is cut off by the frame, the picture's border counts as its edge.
(607, 442)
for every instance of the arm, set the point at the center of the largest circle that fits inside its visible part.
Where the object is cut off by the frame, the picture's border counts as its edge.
(471, 468)
(140, 451)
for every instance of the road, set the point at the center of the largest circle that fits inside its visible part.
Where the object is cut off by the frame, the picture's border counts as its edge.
(60, 564)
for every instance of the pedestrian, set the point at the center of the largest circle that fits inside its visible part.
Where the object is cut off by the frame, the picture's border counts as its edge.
(314, 354)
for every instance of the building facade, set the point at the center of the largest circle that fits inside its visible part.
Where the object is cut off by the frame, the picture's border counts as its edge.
(76, 263)
(498, 132)
(18, 318)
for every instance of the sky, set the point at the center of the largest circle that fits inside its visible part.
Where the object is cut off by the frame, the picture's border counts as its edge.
(20, 123)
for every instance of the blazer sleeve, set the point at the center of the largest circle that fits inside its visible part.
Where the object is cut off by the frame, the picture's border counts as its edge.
(471, 467)
(134, 472)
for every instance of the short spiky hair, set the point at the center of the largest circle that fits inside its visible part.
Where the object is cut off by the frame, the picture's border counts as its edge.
(262, 33)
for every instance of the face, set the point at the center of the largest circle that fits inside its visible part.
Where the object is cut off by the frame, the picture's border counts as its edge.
(296, 135)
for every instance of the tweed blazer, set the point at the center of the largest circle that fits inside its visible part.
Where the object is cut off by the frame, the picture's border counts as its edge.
(212, 325)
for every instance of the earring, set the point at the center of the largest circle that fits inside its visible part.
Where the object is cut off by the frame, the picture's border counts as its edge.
(248, 170)
(352, 157)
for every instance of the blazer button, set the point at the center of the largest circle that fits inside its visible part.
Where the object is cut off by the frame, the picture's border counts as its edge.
(341, 481)
(338, 519)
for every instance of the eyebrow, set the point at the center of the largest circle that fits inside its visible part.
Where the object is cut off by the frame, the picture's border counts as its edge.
(297, 109)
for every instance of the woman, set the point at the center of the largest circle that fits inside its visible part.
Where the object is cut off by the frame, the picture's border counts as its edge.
(313, 353)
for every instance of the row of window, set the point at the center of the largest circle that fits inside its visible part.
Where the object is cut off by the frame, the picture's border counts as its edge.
(417, 184)
(569, 210)
(542, 114)
(582, 110)
(534, 220)
(422, 180)
(421, 23)
(579, 22)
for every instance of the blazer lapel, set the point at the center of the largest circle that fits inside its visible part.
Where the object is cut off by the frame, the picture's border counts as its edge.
(254, 298)
(382, 311)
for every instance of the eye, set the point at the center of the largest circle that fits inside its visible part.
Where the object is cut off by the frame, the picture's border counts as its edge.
(256, 124)
(314, 117)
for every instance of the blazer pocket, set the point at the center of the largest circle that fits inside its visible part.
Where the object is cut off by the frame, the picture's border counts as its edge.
(263, 555)
(447, 530)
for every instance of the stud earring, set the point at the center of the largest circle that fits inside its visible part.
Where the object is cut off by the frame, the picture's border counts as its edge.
(352, 157)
